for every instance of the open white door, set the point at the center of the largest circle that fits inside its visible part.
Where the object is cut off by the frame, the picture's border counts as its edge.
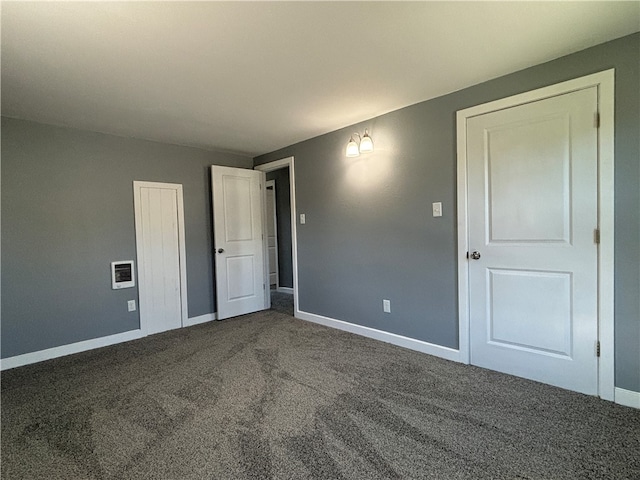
(238, 240)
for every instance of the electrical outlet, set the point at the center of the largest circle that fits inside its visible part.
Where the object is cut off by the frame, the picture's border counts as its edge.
(437, 209)
(386, 306)
(131, 305)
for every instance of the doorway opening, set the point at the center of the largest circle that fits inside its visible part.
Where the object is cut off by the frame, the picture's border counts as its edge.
(272, 232)
(281, 247)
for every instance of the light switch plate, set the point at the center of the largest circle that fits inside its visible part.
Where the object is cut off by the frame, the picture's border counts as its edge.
(131, 305)
(386, 306)
(437, 209)
(303, 219)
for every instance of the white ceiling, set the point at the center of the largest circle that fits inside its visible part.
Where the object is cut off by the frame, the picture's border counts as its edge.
(252, 77)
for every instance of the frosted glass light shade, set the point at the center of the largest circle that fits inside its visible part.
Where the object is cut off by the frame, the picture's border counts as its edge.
(366, 145)
(352, 148)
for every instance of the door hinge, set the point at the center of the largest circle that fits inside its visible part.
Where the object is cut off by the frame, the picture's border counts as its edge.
(597, 120)
(596, 236)
(598, 348)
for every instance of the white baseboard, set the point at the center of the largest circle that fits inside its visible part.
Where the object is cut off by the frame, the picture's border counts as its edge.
(628, 398)
(207, 317)
(624, 397)
(285, 290)
(61, 351)
(406, 342)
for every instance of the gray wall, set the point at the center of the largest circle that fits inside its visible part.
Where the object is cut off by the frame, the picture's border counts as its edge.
(283, 214)
(370, 234)
(67, 212)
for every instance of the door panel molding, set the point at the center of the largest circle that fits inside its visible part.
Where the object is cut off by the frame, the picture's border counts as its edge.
(182, 256)
(604, 82)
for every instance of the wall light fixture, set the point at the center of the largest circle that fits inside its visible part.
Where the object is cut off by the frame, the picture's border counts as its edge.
(364, 144)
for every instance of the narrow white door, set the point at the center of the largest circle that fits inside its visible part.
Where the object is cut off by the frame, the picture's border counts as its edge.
(160, 250)
(238, 240)
(532, 193)
(272, 234)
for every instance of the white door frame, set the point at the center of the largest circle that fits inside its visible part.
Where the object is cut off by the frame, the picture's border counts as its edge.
(604, 81)
(276, 165)
(137, 187)
(272, 184)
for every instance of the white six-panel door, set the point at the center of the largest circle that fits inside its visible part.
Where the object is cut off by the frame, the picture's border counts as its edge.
(238, 240)
(161, 255)
(532, 210)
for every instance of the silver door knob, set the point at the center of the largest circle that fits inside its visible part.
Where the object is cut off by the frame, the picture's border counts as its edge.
(475, 255)
(220, 250)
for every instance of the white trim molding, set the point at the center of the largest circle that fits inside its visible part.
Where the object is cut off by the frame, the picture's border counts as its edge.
(207, 317)
(276, 165)
(288, 290)
(63, 350)
(604, 82)
(628, 398)
(399, 340)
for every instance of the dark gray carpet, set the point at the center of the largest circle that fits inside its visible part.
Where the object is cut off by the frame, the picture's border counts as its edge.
(282, 302)
(268, 396)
